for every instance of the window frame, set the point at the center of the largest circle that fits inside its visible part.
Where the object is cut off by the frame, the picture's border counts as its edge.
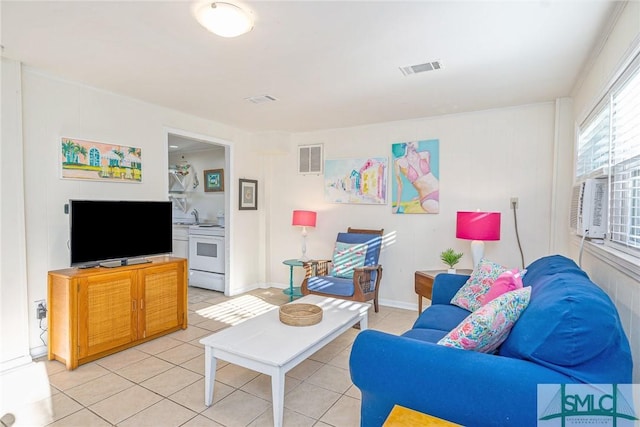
(630, 69)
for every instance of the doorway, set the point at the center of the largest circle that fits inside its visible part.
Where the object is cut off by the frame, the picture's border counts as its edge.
(191, 158)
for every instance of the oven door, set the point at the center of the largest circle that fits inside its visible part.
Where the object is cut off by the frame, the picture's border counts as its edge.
(206, 253)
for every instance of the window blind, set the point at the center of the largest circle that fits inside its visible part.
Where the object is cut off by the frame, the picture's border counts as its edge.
(609, 139)
(624, 215)
(593, 144)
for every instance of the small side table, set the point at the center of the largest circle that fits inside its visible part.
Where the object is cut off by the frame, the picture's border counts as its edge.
(293, 291)
(401, 416)
(424, 283)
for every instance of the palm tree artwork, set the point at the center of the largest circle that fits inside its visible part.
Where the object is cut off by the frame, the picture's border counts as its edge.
(102, 161)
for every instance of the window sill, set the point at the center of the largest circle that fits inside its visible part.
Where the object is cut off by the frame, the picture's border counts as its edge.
(621, 261)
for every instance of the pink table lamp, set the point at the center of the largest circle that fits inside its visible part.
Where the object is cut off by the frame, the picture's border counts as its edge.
(304, 219)
(478, 227)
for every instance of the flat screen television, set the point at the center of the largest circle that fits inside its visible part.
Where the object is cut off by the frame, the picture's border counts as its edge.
(113, 233)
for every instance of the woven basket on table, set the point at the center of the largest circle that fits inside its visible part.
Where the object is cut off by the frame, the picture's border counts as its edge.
(300, 314)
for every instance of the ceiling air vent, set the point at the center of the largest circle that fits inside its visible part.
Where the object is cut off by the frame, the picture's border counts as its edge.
(261, 99)
(420, 68)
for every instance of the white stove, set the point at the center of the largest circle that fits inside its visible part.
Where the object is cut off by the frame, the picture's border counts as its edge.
(206, 230)
(206, 256)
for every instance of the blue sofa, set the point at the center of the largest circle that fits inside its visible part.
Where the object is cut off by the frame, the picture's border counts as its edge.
(569, 333)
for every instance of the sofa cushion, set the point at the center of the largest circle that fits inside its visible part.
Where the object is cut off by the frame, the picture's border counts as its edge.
(346, 257)
(470, 295)
(570, 326)
(486, 328)
(331, 285)
(429, 335)
(548, 266)
(508, 281)
(441, 317)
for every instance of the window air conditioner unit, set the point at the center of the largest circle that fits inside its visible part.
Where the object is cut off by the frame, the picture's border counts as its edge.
(589, 208)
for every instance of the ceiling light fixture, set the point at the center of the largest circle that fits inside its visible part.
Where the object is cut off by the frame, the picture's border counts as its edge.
(224, 19)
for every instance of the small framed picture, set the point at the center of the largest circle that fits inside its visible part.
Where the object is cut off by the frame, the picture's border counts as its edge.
(214, 180)
(248, 195)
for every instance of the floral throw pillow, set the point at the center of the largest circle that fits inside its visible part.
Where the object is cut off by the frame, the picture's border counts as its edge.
(486, 328)
(346, 257)
(471, 294)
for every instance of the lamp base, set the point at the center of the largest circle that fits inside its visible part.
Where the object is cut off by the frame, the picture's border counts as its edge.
(477, 251)
(304, 256)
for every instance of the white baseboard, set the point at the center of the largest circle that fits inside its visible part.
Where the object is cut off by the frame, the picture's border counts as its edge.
(39, 351)
(398, 304)
(7, 365)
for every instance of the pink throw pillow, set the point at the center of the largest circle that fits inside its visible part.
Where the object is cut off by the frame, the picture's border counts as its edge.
(510, 280)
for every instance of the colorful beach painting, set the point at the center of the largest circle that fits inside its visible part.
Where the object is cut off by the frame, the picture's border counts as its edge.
(89, 160)
(359, 181)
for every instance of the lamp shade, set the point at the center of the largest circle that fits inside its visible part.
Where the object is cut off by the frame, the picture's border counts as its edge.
(478, 225)
(304, 218)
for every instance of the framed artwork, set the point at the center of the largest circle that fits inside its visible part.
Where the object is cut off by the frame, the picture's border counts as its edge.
(214, 180)
(416, 183)
(96, 161)
(248, 195)
(358, 181)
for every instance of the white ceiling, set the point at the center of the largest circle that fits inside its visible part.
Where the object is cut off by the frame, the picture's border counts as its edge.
(329, 63)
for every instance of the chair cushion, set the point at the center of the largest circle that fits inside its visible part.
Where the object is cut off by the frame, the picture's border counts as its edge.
(373, 242)
(331, 285)
(346, 257)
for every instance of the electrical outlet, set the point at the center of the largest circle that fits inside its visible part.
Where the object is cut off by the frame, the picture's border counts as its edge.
(41, 309)
(514, 203)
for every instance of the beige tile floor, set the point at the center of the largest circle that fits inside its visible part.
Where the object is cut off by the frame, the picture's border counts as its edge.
(161, 383)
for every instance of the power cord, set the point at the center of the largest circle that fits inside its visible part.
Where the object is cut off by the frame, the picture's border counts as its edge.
(515, 222)
(42, 333)
(584, 236)
(42, 314)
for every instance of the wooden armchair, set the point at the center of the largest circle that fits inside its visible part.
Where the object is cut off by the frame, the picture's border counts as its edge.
(332, 278)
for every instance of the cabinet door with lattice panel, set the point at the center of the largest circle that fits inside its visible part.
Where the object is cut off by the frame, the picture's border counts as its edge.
(107, 310)
(162, 293)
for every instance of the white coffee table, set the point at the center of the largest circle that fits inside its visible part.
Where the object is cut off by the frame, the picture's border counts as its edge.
(266, 345)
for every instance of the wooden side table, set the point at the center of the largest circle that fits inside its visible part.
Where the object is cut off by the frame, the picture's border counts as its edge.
(401, 417)
(424, 283)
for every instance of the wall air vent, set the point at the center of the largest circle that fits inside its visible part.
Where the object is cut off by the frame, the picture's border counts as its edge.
(420, 68)
(310, 159)
(261, 99)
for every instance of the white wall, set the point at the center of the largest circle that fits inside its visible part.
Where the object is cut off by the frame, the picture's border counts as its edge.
(14, 349)
(208, 204)
(54, 108)
(622, 287)
(485, 158)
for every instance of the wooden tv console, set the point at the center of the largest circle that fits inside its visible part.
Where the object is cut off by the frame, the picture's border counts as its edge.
(98, 311)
